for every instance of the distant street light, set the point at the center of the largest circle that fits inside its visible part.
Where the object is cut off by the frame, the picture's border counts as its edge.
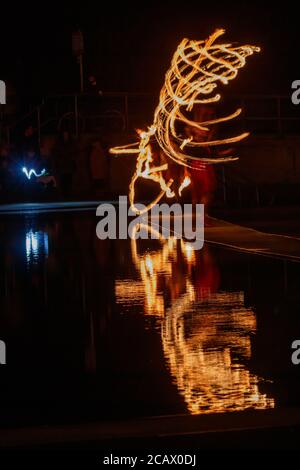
(2, 92)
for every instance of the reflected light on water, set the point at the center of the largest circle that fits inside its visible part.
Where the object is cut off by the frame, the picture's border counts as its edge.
(36, 245)
(206, 333)
(207, 346)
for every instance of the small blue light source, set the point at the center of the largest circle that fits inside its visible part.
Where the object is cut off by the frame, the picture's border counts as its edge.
(33, 172)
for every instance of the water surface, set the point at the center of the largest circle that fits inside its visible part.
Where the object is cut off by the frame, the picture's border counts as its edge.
(119, 328)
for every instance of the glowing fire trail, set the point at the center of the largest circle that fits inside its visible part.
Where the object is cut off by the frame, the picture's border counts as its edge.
(197, 68)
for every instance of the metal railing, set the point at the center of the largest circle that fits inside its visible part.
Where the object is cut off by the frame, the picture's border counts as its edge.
(122, 111)
(236, 190)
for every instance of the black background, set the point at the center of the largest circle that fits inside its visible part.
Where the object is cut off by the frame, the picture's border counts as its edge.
(128, 45)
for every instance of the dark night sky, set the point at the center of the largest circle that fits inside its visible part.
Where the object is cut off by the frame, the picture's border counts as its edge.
(129, 47)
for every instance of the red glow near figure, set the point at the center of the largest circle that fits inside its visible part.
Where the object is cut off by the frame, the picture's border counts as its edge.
(202, 178)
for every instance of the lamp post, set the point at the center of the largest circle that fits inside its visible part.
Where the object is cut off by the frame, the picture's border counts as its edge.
(78, 49)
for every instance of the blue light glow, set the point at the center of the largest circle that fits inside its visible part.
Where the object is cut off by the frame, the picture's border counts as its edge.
(33, 172)
(37, 245)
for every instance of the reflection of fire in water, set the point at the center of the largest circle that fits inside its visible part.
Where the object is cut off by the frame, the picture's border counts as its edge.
(205, 334)
(206, 354)
(157, 270)
(197, 69)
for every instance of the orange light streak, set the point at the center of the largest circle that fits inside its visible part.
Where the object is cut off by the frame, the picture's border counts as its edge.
(197, 69)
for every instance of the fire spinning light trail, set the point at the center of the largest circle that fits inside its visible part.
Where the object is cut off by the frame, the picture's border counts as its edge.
(197, 68)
